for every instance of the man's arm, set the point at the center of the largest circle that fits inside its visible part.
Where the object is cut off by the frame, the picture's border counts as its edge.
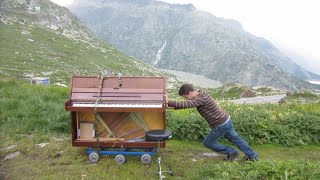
(186, 104)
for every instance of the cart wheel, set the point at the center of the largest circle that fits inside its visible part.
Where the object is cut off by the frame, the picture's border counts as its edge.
(120, 159)
(94, 157)
(145, 158)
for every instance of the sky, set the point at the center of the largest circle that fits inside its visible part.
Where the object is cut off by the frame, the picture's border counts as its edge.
(293, 25)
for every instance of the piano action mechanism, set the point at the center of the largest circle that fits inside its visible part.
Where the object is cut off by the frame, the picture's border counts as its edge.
(116, 111)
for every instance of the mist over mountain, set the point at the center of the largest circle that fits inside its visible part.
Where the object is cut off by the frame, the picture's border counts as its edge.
(303, 60)
(179, 37)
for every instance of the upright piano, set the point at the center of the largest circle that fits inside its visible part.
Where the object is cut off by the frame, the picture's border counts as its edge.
(116, 111)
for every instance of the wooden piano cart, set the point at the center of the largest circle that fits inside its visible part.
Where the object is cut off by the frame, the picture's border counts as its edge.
(118, 115)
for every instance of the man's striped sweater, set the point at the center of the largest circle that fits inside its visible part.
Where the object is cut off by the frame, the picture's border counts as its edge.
(206, 106)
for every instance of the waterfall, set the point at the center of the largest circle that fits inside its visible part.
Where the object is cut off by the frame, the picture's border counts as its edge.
(158, 57)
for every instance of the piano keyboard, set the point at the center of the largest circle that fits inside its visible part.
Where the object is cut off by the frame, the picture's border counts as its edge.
(120, 105)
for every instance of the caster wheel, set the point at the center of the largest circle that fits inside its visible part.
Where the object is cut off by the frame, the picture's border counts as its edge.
(145, 158)
(120, 159)
(94, 157)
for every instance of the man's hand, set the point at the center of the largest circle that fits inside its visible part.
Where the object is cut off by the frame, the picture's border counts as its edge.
(166, 101)
(167, 107)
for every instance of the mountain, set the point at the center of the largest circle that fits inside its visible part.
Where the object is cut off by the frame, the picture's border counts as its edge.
(40, 38)
(179, 37)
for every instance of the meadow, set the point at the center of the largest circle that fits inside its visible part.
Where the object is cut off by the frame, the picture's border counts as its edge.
(285, 135)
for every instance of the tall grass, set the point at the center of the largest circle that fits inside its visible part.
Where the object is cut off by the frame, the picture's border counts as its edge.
(27, 108)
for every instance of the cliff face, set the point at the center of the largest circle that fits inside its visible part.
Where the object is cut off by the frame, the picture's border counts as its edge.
(179, 37)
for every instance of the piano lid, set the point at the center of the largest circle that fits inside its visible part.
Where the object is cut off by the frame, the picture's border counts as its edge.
(118, 89)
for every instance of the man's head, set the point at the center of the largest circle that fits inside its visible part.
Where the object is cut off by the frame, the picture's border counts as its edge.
(187, 91)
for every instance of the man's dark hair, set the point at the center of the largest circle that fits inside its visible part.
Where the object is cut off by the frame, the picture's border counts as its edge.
(185, 89)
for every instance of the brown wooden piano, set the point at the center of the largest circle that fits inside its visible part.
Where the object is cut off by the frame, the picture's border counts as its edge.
(116, 111)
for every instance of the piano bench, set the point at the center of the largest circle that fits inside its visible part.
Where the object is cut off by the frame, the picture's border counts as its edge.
(158, 135)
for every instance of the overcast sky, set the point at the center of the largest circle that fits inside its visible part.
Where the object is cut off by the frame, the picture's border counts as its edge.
(289, 24)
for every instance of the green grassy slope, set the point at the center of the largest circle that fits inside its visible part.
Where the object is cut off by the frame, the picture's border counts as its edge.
(37, 44)
(43, 53)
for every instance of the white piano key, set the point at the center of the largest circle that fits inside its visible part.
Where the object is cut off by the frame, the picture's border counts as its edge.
(119, 105)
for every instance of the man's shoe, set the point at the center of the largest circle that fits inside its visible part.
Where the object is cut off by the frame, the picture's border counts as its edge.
(251, 158)
(232, 156)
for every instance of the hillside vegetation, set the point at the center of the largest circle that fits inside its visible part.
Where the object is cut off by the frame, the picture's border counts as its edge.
(40, 38)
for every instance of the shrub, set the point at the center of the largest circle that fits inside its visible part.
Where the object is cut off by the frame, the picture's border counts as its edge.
(187, 124)
(286, 124)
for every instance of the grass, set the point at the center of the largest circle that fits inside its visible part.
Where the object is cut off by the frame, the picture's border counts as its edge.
(226, 92)
(31, 114)
(59, 160)
(25, 107)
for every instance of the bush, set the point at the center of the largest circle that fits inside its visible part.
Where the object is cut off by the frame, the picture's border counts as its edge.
(187, 125)
(286, 124)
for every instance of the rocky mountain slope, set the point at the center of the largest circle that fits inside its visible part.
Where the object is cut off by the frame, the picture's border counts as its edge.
(40, 38)
(179, 37)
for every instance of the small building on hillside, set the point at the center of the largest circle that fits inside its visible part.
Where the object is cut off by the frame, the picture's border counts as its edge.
(40, 80)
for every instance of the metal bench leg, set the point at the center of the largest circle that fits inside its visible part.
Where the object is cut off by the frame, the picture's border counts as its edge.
(160, 171)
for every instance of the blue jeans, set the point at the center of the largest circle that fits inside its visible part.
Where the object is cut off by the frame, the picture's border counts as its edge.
(227, 130)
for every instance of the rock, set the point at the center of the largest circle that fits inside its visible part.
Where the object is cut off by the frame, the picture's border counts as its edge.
(249, 93)
(58, 154)
(41, 145)
(8, 147)
(60, 84)
(289, 93)
(283, 100)
(209, 154)
(57, 138)
(12, 155)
